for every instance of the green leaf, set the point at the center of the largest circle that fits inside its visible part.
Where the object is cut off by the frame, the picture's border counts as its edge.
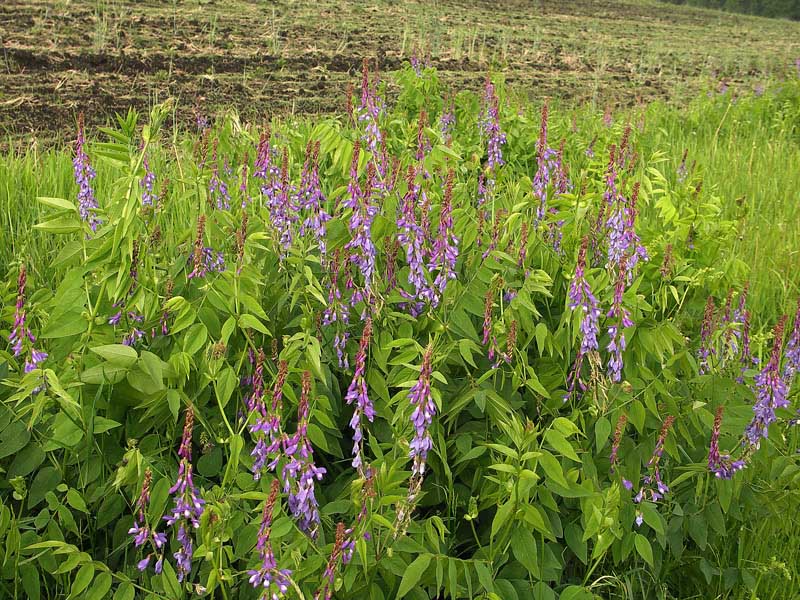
(70, 323)
(573, 534)
(484, 576)
(26, 461)
(170, 582)
(76, 501)
(82, 580)
(523, 546)
(500, 517)
(58, 203)
(413, 574)
(575, 592)
(552, 468)
(644, 549)
(104, 373)
(125, 591)
(69, 224)
(13, 438)
(225, 384)
(560, 443)
(652, 517)
(45, 481)
(30, 581)
(100, 588)
(117, 354)
(101, 424)
(250, 321)
(602, 429)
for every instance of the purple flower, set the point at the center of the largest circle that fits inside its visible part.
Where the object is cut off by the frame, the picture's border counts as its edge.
(621, 319)
(550, 172)
(682, 170)
(282, 211)
(267, 426)
(20, 331)
(447, 123)
(357, 395)
(653, 487)
(273, 581)
(84, 173)
(413, 238)
(706, 330)
(325, 591)
(721, 464)
(218, 193)
(490, 127)
(792, 353)
(445, 247)
(203, 258)
(361, 247)
(370, 110)
(146, 184)
(310, 198)
(580, 295)
(771, 393)
(141, 531)
(299, 473)
(188, 504)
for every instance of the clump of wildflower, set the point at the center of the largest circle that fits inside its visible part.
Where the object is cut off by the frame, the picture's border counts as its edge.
(146, 184)
(337, 310)
(707, 328)
(274, 582)
(580, 295)
(282, 212)
(299, 473)
(357, 395)
(653, 487)
(792, 353)
(325, 591)
(668, 262)
(370, 110)
(421, 399)
(20, 331)
(771, 392)
(621, 318)
(218, 193)
(490, 127)
(84, 174)
(549, 173)
(361, 247)
(447, 122)
(618, 430)
(188, 504)
(311, 198)
(141, 531)
(267, 426)
(204, 259)
(683, 171)
(721, 465)
(487, 315)
(445, 247)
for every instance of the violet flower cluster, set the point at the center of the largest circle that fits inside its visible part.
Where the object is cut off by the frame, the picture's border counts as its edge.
(21, 334)
(141, 531)
(771, 393)
(148, 197)
(357, 395)
(620, 318)
(447, 123)
(550, 172)
(337, 310)
(706, 349)
(84, 174)
(361, 247)
(274, 582)
(337, 557)
(311, 198)
(189, 505)
(299, 473)
(581, 296)
(722, 465)
(490, 127)
(370, 110)
(203, 258)
(267, 428)
(218, 193)
(653, 487)
(792, 352)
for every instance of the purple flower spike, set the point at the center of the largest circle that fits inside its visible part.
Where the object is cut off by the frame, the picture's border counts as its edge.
(273, 582)
(188, 504)
(311, 199)
(445, 247)
(300, 473)
(371, 110)
(84, 174)
(357, 395)
(267, 428)
(141, 531)
(325, 591)
(20, 332)
(771, 393)
(146, 184)
(621, 319)
(653, 487)
(792, 353)
(490, 127)
(721, 465)
(620, 428)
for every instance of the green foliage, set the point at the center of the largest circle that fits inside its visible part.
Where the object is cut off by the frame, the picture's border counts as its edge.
(518, 499)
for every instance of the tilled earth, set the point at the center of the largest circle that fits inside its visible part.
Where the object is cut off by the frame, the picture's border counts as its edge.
(61, 57)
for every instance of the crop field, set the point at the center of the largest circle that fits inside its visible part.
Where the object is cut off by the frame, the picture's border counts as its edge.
(63, 57)
(429, 301)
